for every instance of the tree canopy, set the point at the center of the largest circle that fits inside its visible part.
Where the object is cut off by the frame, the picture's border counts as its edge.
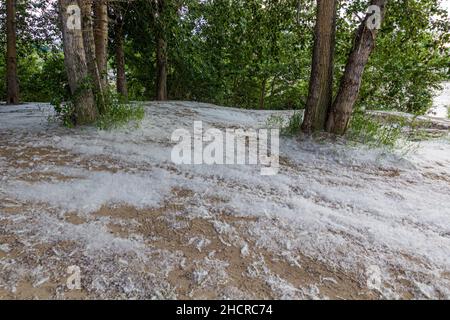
(243, 53)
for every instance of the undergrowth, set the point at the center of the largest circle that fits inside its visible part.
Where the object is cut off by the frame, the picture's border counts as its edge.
(394, 132)
(373, 133)
(288, 127)
(119, 113)
(115, 112)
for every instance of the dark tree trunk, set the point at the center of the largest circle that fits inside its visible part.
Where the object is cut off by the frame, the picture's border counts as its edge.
(161, 53)
(101, 38)
(76, 67)
(12, 82)
(161, 76)
(341, 111)
(262, 97)
(320, 94)
(120, 60)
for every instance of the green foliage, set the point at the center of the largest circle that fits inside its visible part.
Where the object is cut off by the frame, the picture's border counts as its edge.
(240, 53)
(65, 107)
(64, 113)
(235, 53)
(294, 125)
(114, 112)
(275, 122)
(40, 61)
(368, 131)
(119, 113)
(42, 76)
(390, 131)
(288, 127)
(411, 57)
(244, 54)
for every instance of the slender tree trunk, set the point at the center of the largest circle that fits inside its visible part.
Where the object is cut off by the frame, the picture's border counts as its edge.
(101, 38)
(12, 82)
(89, 48)
(320, 94)
(120, 60)
(161, 76)
(76, 65)
(161, 53)
(364, 44)
(262, 98)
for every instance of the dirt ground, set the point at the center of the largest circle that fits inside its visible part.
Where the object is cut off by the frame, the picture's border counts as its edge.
(163, 229)
(203, 235)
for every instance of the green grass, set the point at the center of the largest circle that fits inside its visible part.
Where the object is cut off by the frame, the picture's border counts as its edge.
(394, 132)
(64, 113)
(118, 113)
(288, 127)
(115, 113)
(293, 126)
(366, 130)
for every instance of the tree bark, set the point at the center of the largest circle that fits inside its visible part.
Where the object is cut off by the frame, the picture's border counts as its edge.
(161, 76)
(12, 82)
(89, 48)
(76, 67)
(262, 97)
(341, 111)
(121, 81)
(161, 54)
(320, 94)
(101, 38)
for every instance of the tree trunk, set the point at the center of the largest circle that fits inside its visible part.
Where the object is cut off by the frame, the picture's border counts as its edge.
(120, 60)
(161, 53)
(262, 97)
(320, 94)
(89, 48)
(161, 76)
(101, 38)
(76, 65)
(350, 85)
(12, 82)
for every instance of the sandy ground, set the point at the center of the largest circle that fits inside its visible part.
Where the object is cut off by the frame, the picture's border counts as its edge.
(139, 226)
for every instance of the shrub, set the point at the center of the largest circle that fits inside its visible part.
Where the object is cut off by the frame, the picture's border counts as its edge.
(118, 113)
(64, 112)
(114, 112)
